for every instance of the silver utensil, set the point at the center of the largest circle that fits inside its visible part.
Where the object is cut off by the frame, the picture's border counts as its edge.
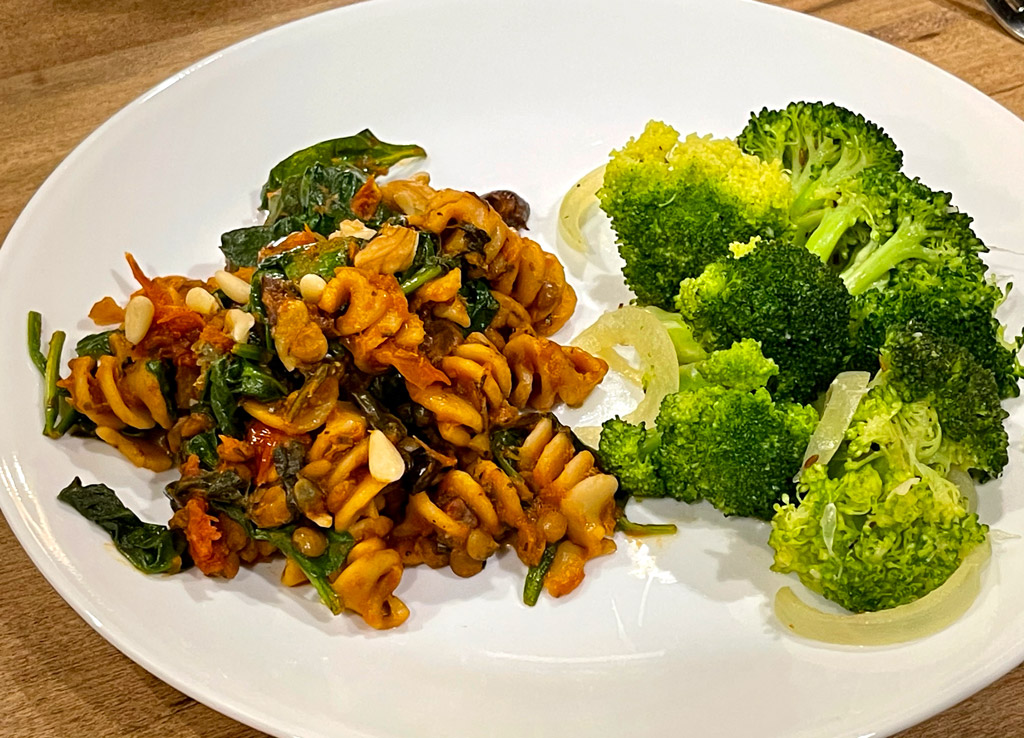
(1010, 14)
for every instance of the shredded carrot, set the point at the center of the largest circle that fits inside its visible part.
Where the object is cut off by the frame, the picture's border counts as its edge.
(145, 282)
(191, 466)
(208, 552)
(216, 338)
(411, 364)
(366, 200)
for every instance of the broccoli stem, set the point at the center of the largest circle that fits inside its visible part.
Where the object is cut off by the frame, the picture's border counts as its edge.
(688, 349)
(834, 224)
(905, 243)
(420, 278)
(810, 197)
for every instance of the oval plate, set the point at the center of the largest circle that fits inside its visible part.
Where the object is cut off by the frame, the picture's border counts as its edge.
(667, 635)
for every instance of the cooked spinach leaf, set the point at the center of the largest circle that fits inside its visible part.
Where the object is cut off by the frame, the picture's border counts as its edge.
(363, 151)
(288, 460)
(476, 238)
(204, 445)
(94, 345)
(225, 488)
(241, 247)
(321, 257)
(252, 352)
(259, 310)
(162, 371)
(231, 377)
(428, 263)
(248, 379)
(505, 445)
(149, 547)
(480, 304)
(321, 197)
(318, 570)
(221, 399)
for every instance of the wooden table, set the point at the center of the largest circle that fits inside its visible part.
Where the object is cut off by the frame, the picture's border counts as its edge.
(67, 65)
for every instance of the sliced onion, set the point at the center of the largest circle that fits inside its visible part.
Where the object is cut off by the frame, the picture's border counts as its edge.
(966, 486)
(841, 401)
(575, 206)
(637, 329)
(936, 610)
(829, 522)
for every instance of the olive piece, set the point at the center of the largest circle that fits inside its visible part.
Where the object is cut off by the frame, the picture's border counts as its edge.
(513, 209)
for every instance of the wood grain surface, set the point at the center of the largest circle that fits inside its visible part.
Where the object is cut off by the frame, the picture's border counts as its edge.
(65, 67)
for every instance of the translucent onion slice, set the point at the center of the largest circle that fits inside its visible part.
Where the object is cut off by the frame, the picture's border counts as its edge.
(965, 484)
(656, 369)
(841, 401)
(936, 610)
(575, 206)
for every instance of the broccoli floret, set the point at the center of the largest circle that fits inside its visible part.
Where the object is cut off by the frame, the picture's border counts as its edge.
(820, 145)
(883, 219)
(883, 525)
(926, 369)
(738, 450)
(940, 300)
(722, 439)
(676, 206)
(870, 539)
(742, 366)
(782, 296)
(626, 451)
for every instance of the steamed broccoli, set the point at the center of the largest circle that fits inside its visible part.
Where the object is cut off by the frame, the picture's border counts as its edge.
(883, 525)
(893, 220)
(819, 145)
(926, 370)
(627, 451)
(724, 439)
(676, 205)
(943, 300)
(871, 540)
(782, 296)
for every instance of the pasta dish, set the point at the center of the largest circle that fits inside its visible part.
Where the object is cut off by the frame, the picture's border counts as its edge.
(365, 386)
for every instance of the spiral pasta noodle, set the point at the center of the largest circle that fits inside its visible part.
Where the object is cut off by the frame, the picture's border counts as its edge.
(375, 324)
(469, 514)
(513, 265)
(117, 393)
(570, 481)
(474, 396)
(367, 583)
(547, 373)
(341, 492)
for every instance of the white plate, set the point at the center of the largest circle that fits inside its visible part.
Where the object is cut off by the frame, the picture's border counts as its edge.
(527, 95)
